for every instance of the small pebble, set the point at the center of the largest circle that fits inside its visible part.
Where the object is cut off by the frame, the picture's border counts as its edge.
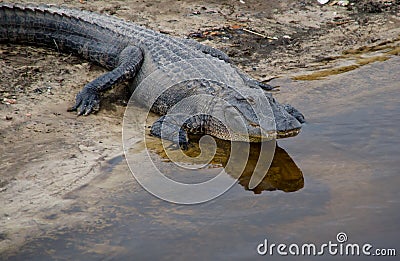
(9, 101)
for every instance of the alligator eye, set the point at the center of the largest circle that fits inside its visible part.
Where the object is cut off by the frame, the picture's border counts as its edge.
(250, 100)
(247, 99)
(255, 125)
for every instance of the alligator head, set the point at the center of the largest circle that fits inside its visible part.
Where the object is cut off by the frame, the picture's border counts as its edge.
(258, 112)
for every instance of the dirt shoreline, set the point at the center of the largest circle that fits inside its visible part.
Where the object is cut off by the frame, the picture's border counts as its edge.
(48, 154)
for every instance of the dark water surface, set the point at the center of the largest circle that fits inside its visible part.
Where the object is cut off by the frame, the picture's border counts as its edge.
(346, 164)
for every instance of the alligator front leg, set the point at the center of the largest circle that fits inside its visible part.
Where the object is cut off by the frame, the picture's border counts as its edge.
(207, 49)
(252, 83)
(88, 100)
(176, 127)
(167, 127)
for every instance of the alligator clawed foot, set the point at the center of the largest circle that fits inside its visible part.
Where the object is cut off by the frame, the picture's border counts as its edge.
(183, 140)
(86, 102)
(182, 146)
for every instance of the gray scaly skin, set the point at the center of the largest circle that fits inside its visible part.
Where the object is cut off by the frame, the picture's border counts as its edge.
(162, 71)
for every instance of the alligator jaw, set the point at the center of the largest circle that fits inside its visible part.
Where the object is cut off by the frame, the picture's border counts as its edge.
(287, 134)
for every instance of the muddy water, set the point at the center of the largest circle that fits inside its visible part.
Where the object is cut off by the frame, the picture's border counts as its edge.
(345, 165)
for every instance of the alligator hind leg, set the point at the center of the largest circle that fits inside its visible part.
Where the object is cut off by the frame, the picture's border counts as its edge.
(88, 100)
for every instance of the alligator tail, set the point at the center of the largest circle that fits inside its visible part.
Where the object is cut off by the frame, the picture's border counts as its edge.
(49, 26)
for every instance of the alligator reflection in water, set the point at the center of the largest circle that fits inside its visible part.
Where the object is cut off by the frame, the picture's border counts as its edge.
(283, 173)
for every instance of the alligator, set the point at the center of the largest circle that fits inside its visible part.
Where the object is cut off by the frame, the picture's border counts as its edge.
(215, 97)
